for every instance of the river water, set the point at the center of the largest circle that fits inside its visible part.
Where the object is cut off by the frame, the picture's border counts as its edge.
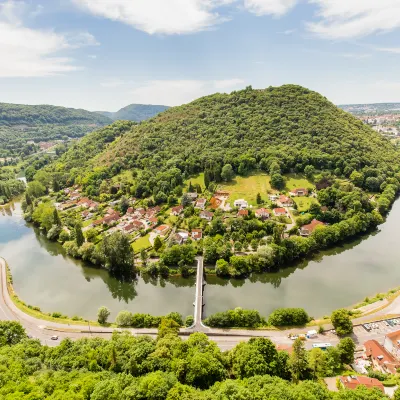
(44, 276)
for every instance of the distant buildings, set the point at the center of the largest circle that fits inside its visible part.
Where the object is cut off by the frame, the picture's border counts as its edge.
(352, 382)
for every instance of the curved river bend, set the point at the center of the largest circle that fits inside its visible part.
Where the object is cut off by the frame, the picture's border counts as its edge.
(44, 276)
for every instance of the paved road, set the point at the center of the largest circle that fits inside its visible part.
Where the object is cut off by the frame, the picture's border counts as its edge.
(199, 298)
(225, 338)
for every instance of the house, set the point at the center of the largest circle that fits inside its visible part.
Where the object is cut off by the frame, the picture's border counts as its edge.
(263, 213)
(130, 210)
(176, 210)
(285, 201)
(240, 203)
(352, 382)
(201, 204)
(243, 213)
(299, 192)
(307, 230)
(161, 230)
(109, 219)
(381, 359)
(137, 225)
(197, 234)
(206, 215)
(392, 344)
(181, 237)
(279, 211)
(152, 222)
(273, 197)
(192, 195)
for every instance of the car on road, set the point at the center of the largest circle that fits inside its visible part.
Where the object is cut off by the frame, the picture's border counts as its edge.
(54, 337)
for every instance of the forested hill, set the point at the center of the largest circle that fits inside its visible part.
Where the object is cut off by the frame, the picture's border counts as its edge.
(135, 112)
(249, 129)
(20, 114)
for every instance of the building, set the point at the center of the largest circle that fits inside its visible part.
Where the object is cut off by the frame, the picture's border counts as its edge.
(263, 213)
(392, 344)
(177, 210)
(161, 230)
(109, 219)
(243, 213)
(352, 382)
(273, 197)
(197, 234)
(381, 359)
(192, 195)
(201, 204)
(307, 230)
(285, 201)
(206, 215)
(299, 192)
(279, 211)
(240, 203)
(181, 237)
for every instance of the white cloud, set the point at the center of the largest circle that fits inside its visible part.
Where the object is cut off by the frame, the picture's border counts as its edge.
(394, 50)
(159, 16)
(176, 92)
(357, 56)
(31, 52)
(287, 32)
(343, 19)
(271, 7)
(92, 56)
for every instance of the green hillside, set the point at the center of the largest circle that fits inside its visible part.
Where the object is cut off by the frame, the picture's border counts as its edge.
(22, 123)
(135, 112)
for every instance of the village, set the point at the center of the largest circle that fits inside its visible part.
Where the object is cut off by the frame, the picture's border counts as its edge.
(144, 224)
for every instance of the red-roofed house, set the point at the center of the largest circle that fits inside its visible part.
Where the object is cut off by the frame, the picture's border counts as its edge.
(176, 210)
(307, 230)
(201, 204)
(161, 230)
(392, 344)
(279, 211)
(285, 201)
(196, 234)
(299, 192)
(109, 219)
(381, 359)
(206, 215)
(263, 213)
(352, 382)
(243, 213)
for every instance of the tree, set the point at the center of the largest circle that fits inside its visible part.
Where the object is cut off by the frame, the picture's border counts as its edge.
(298, 360)
(79, 238)
(117, 255)
(316, 362)
(124, 205)
(56, 218)
(157, 243)
(11, 332)
(124, 318)
(168, 327)
(357, 178)
(309, 171)
(277, 181)
(227, 173)
(259, 199)
(346, 349)
(342, 322)
(222, 268)
(102, 315)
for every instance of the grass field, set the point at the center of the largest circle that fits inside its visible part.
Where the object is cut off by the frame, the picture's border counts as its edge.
(248, 187)
(304, 203)
(141, 243)
(199, 179)
(296, 181)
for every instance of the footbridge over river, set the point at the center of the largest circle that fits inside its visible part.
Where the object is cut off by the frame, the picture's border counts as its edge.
(199, 298)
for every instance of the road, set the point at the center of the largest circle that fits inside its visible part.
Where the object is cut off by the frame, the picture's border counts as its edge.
(199, 299)
(225, 338)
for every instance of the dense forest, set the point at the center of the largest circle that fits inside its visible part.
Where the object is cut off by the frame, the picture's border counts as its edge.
(135, 112)
(22, 123)
(168, 368)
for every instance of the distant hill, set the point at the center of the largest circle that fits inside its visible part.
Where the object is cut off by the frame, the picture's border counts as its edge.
(21, 123)
(371, 109)
(135, 112)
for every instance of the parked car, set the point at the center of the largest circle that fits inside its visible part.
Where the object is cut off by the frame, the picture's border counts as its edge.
(55, 337)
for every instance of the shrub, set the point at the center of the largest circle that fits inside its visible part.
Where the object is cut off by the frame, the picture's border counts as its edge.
(342, 322)
(235, 318)
(124, 318)
(288, 317)
(56, 314)
(189, 320)
(102, 315)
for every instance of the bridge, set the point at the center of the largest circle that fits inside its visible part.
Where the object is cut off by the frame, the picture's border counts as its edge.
(199, 298)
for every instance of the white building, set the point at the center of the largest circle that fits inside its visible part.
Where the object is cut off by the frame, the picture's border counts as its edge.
(240, 203)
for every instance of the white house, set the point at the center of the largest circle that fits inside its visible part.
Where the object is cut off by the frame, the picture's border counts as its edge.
(240, 203)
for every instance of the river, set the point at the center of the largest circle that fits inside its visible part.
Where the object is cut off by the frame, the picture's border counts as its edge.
(44, 276)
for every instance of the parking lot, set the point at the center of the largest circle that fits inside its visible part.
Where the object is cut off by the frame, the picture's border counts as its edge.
(382, 327)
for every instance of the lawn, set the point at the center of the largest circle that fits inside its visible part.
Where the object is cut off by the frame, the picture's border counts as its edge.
(248, 187)
(304, 203)
(198, 179)
(141, 243)
(297, 181)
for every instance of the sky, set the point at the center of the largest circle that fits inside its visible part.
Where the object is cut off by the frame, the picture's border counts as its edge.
(106, 54)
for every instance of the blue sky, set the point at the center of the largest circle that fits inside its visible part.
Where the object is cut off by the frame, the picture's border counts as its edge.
(105, 54)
